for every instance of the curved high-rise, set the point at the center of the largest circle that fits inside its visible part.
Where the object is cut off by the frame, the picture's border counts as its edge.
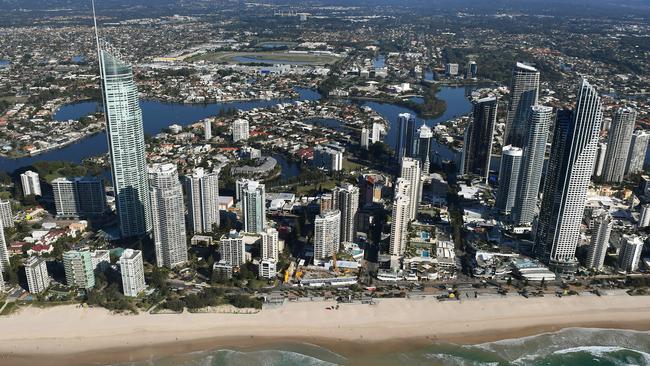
(508, 178)
(126, 145)
(532, 164)
(573, 153)
(618, 144)
(524, 91)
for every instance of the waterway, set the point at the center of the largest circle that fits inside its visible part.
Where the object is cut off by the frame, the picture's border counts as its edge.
(158, 115)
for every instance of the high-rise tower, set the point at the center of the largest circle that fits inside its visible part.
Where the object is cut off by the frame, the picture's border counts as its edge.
(508, 178)
(524, 91)
(202, 189)
(346, 199)
(477, 149)
(532, 164)
(618, 144)
(573, 153)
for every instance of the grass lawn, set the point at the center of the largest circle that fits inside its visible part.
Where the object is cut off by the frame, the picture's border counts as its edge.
(264, 57)
(10, 308)
(328, 184)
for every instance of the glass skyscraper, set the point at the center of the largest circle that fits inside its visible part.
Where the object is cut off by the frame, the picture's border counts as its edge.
(126, 144)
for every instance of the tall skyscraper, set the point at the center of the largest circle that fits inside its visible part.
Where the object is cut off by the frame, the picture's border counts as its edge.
(79, 197)
(401, 216)
(270, 244)
(600, 159)
(233, 248)
(327, 234)
(168, 215)
(79, 271)
(405, 132)
(346, 199)
(202, 190)
(6, 214)
(207, 129)
(532, 164)
(599, 242)
(126, 145)
(38, 279)
(644, 219)
(630, 253)
(477, 149)
(411, 172)
(472, 70)
(508, 178)
(422, 147)
(4, 251)
(132, 269)
(30, 183)
(365, 138)
(254, 207)
(618, 144)
(524, 91)
(377, 131)
(240, 130)
(573, 153)
(638, 149)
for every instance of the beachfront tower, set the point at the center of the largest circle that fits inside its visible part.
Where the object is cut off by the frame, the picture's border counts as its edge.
(411, 172)
(202, 190)
(327, 234)
(132, 269)
(573, 152)
(79, 271)
(126, 146)
(618, 144)
(168, 215)
(508, 178)
(38, 279)
(477, 149)
(532, 164)
(270, 244)
(599, 241)
(524, 91)
(400, 217)
(630, 253)
(253, 197)
(345, 198)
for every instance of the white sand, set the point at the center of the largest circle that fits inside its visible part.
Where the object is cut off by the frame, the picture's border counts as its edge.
(68, 329)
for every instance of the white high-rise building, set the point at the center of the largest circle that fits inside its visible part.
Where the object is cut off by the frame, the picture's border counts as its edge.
(644, 219)
(38, 279)
(524, 92)
(202, 190)
(168, 212)
(132, 269)
(240, 130)
(377, 131)
(327, 234)
(630, 253)
(638, 149)
(365, 138)
(532, 164)
(328, 158)
(600, 159)
(599, 242)
(4, 251)
(6, 215)
(618, 144)
(401, 216)
(207, 129)
(508, 178)
(412, 172)
(31, 183)
(79, 197)
(125, 132)
(346, 199)
(233, 248)
(253, 196)
(267, 268)
(270, 244)
(571, 163)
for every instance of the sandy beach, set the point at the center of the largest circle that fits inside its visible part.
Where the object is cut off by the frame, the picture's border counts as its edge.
(68, 335)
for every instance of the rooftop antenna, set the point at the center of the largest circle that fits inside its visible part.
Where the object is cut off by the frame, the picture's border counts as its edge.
(99, 62)
(96, 32)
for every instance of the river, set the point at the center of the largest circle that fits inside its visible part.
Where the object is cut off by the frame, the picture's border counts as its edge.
(158, 115)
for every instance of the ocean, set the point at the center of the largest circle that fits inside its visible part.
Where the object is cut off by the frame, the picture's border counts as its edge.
(571, 346)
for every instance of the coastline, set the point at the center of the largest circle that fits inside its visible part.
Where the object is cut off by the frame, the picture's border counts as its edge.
(68, 335)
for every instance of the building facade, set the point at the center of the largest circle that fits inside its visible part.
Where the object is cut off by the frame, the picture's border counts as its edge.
(508, 178)
(327, 234)
(168, 212)
(240, 130)
(524, 92)
(202, 190)
(6, 214)
(630, 253)
(618, 144)
(31, 183)
(477, 148)
(270, 244)
(132, 269)
(637, 153)
(405, 133)
(573, 152)
(126, 145)
(79, 197)
(345, 198)
(253, 197)
(233, 249)
(411, 172)
(38, 279)
(401, 216)
(599, 242)
(79, 271)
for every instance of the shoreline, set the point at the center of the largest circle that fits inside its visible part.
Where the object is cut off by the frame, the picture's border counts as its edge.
(67, 335)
